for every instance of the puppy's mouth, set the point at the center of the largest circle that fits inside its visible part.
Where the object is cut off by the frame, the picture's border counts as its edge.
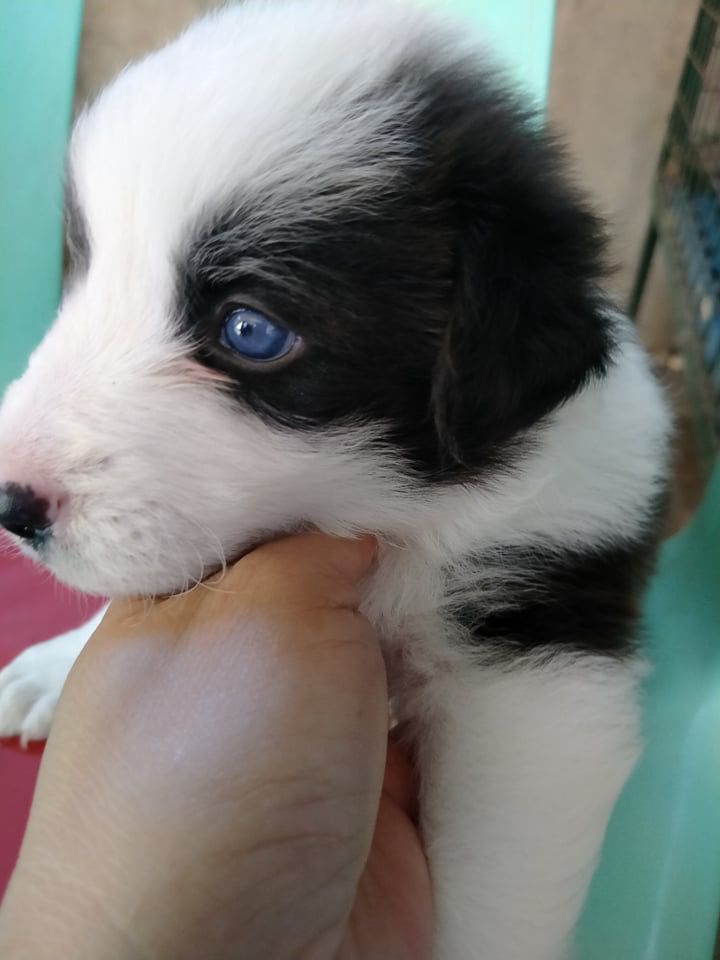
(216, 571)
(32, 545)
(74, 563)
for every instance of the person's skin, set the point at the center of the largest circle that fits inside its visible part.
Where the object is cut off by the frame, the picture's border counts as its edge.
(216, 786)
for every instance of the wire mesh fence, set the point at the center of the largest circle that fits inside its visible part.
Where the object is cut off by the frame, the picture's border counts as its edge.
(686, 219)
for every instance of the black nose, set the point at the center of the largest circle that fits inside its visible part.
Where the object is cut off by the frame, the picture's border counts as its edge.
(23, 512)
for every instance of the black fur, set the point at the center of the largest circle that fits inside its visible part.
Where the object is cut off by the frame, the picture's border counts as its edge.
(570, 601)
(460, 310)
(77, 240)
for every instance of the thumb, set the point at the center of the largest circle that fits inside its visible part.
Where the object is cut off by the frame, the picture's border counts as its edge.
(326, 571)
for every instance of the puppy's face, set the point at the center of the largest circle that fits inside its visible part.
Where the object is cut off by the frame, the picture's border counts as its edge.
(321, 266)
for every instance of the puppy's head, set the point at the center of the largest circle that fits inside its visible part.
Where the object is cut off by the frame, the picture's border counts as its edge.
(324, 263)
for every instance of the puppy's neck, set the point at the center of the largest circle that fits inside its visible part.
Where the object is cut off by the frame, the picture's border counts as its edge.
(588, 483)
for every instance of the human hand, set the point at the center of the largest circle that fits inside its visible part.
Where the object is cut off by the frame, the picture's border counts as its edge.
(216, 784)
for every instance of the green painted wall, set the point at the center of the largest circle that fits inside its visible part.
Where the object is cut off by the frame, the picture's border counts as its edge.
(38, 44)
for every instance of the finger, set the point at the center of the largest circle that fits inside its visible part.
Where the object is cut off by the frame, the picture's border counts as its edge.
(293, 576)
(400, 782)
(316, 568)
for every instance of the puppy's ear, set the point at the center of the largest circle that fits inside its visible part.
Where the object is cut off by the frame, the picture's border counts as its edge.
(528, 326)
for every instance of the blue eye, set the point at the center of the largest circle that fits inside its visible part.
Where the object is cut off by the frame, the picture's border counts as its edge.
(252, 335)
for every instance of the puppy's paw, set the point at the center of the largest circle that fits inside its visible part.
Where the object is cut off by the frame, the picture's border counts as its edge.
(29, 689)
(30, 685)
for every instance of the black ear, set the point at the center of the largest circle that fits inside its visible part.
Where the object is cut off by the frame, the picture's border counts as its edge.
(529, 325)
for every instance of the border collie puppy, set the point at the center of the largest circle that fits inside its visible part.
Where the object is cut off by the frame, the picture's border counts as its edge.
(329, 272)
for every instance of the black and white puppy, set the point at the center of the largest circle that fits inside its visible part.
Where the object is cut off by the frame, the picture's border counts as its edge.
(329, 272)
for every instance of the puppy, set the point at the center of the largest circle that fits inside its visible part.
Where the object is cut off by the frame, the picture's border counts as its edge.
(328, 272)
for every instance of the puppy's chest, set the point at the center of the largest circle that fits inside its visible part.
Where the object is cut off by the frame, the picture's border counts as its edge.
(410, 600)
(446, 613)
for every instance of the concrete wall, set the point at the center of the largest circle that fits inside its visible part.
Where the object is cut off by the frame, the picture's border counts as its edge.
(616, 66)
(615, 69)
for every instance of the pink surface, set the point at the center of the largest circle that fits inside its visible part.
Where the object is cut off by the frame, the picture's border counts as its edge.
(33, 607)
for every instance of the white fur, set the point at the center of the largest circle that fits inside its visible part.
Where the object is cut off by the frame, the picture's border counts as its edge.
(30, 685)
(526, 765)
(163, 476)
